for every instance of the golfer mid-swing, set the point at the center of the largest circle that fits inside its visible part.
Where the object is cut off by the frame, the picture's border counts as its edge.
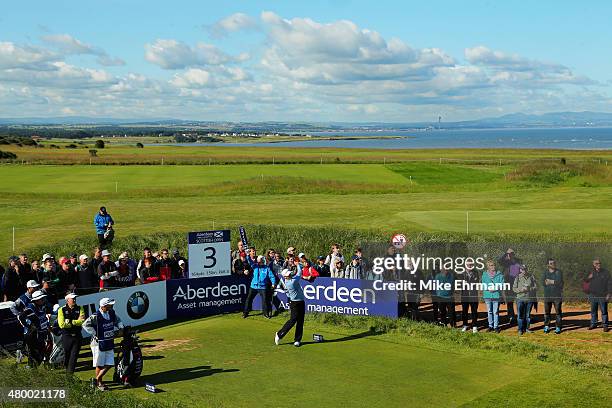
(295, 294)
(102, 325)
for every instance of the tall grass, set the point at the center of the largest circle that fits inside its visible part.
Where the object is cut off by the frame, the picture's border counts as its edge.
(79, 394)
(573, 257)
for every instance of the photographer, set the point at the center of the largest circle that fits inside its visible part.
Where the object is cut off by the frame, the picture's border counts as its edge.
(104, 227)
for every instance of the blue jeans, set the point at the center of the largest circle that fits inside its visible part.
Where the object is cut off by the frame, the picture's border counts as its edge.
(603, 306)
(524, 314)
(492, 313)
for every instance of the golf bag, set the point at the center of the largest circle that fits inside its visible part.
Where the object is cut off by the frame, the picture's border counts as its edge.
(129, 359)
(56, 357)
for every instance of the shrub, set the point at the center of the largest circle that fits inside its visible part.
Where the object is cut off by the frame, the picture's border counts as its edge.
(7, 155)
(71, 146)
(100, 144)
(139, 145)
(93, 152)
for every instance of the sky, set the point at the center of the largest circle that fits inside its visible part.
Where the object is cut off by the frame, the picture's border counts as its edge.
(316, 61)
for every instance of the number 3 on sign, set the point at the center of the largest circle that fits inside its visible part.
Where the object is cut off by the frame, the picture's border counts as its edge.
(209, 259)
(209, 253)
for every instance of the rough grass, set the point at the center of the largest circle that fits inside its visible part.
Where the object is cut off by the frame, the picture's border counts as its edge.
(79, 392)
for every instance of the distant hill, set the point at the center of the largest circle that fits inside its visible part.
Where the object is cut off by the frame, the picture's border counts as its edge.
(553, 119)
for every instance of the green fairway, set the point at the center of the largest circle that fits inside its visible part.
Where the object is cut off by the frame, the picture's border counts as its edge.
(228, 361)
(48, 204)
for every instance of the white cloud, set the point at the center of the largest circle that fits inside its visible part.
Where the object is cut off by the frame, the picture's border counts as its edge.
(233, 23)
(69, 45)
(173, 54)
(24, 56)
(302, 70)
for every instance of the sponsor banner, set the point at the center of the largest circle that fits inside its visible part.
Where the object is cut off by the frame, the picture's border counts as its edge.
(135, 306)
(209, 253)
(205, 296)
(343, 296)
(243, 237)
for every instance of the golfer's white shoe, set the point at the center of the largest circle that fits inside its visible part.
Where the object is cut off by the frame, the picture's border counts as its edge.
(474, 329)
(464, 329)
(276, 339)
(297, 344)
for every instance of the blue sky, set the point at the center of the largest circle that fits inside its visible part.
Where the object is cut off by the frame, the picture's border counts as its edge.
(317, 60)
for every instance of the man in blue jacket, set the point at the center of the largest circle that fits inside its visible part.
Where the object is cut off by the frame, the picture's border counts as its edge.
(262, 275)
(103, 223)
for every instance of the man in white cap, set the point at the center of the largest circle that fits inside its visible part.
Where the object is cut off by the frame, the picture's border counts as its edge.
(107, 270)
(102, 326)
(35, 321)
(70, 318)
(21, 303)
(25, 299)
(295, 293)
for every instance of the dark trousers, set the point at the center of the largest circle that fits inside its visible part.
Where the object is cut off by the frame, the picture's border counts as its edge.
(272, 300)
(248, 306)
(435, 305)
(35, 349)
(465, 308)
(601, 304)
(447, 313)
(102, 241)
(298, 309)
(510, 310)
(524, 314)
(548, 304)
(72, 345)
(413, 310)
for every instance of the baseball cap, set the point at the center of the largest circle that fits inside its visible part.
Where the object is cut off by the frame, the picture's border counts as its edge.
(260, 258)
(73, 255)
(32, 284)
(70, 296)
(39, 294)
(321, 257)
(106, 302)
(47, 256)
(181, 262)
(63, 260)
(155, 254)
(301, 255)
(123, 255)
(290, 250)
(286, 273)
(82, 257)
(106, 253)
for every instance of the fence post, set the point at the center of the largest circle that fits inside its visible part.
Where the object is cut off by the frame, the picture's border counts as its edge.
(162, 161)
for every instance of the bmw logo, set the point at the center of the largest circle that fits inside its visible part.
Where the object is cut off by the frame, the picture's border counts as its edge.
(137, 305)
